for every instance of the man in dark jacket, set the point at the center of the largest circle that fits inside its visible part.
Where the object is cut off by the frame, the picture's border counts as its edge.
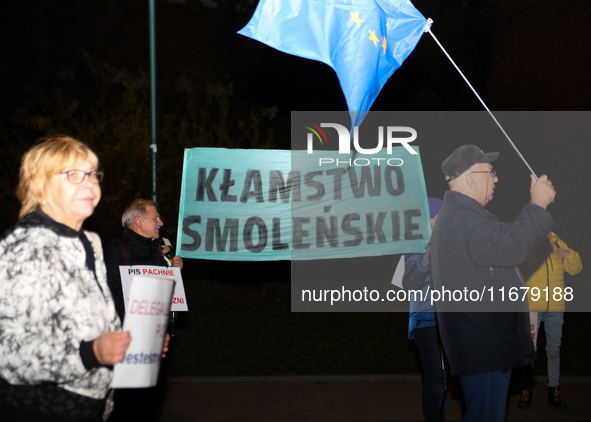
(139, 245)
(484, 331)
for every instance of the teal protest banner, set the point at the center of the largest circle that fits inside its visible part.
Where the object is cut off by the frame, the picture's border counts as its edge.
(256, 205)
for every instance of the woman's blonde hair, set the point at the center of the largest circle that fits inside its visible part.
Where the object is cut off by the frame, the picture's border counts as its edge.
(47, 157)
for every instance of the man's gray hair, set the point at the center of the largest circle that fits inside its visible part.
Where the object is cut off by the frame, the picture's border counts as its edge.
(136, 209)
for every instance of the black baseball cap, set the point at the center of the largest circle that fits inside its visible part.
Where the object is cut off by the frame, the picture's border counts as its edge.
(463, 158)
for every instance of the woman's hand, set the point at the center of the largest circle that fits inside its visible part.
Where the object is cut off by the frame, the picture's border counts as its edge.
(109, 348)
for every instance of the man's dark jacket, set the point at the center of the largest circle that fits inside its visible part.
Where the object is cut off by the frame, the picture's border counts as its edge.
(142, 251)
(471, 249)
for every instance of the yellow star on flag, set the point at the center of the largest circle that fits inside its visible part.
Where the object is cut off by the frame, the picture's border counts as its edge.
(355, 18)
(372, 36)
(384, 44)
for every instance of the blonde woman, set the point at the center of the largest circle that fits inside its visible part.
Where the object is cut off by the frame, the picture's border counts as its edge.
(59, 332)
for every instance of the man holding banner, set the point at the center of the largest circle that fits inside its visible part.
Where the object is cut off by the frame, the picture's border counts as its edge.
(139, 245)
(484, 333)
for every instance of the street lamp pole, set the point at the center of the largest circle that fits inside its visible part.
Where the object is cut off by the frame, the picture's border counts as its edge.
(153, 122)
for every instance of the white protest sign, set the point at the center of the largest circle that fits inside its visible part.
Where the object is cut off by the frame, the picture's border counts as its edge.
(179, 300)
(146, 320)
(399, 273)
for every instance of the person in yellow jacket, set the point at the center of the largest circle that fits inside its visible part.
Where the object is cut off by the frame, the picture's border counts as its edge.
(544, 269)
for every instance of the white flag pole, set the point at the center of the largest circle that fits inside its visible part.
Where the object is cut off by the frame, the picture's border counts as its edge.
(481, 101)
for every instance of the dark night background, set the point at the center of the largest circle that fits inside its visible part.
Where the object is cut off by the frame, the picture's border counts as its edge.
(80, 68)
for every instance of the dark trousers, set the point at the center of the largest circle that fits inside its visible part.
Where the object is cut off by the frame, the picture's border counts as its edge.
(429, 347)
(527, 376)
(48, 403)
(142, 404)
(485, 396)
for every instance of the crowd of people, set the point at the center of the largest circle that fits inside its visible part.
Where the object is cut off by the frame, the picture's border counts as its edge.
(62, 303)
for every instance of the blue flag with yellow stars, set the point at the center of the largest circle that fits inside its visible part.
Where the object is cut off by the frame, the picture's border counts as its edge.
(364, 41)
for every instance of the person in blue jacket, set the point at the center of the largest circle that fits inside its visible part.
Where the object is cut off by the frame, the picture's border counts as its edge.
(422, 328)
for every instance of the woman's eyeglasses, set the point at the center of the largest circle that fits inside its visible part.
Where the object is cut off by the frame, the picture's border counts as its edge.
(77, 176)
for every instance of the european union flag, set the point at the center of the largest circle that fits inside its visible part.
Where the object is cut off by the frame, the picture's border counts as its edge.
(364, 41)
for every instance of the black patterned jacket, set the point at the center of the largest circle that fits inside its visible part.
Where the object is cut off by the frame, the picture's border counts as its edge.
(54, 301)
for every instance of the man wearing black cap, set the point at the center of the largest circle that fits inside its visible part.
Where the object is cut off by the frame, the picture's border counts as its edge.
(483, 336)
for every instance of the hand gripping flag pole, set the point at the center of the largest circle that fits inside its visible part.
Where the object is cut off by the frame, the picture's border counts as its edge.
(480, 99)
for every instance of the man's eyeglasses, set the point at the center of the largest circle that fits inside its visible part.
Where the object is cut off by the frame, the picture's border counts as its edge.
(77, 176)
(493, 171)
